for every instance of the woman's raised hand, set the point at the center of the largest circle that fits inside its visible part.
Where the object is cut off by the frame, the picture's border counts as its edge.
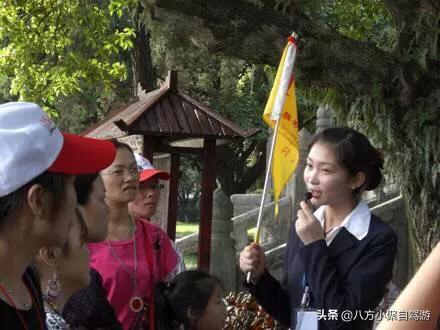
(307, 226)
(253, 260)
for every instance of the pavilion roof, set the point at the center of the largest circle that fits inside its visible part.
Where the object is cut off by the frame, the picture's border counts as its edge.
(169, 113)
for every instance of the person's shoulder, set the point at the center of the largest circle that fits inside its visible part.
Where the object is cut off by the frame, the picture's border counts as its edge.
(378, 227)
(148, 225)
(95, 277)
(96, 248)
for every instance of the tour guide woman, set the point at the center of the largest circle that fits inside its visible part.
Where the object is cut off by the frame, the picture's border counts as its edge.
(340, 257)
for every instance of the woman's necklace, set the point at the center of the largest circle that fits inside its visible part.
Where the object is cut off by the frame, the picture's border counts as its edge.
(136, 303)
(24, 304)
(328, 231)
(8, 292)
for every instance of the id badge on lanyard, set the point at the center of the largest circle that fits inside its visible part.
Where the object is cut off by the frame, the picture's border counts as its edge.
(306, 317)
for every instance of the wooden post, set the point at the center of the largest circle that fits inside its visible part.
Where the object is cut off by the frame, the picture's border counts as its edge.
(172, 197)
(149, 146)
(208, 182)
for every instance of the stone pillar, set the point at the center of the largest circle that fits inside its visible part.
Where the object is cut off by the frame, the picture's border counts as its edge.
(245, 202)
(296, 188)
(162, 162)
(324, 118)
(223, 262)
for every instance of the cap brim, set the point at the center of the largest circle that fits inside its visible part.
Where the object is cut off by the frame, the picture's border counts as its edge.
(82, 155)
(153, 173)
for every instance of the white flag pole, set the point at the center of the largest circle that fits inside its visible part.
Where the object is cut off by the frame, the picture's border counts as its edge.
(283, 87)
(275, 115)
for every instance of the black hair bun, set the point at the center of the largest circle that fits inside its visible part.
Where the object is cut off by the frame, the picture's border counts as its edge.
(376, 166)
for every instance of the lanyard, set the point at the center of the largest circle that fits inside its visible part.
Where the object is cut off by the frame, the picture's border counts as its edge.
(306, 318)
(34, 305)
(305, 300)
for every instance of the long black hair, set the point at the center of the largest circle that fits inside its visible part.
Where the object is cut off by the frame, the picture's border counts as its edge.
(189, 290)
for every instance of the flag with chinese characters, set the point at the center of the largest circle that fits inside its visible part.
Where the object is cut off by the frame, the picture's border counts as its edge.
(282, 106)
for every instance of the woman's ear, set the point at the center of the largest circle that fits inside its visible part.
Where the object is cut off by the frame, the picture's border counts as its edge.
(38, 201)
(358, 180)
(49, 255)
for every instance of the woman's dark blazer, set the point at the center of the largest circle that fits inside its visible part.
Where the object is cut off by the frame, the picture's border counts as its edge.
(346, 275)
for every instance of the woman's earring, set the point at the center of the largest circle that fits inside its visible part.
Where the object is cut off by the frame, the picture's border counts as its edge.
(53, 287)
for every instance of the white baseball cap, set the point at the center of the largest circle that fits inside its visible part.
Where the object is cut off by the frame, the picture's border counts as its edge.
(31, 144)
(147, 170)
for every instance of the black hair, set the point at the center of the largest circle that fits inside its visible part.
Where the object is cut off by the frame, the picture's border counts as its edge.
(191, 289)
(83, 187)
(120, 145)
(354, 152)
(54, 183)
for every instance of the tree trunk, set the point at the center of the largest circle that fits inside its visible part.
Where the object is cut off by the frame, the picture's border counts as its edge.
(233, 172)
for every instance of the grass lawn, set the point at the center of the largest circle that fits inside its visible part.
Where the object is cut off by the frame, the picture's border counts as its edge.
(186, 228)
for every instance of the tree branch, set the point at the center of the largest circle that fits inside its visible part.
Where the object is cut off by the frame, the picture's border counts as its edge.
(248, 151)
(258, 34)
(397, 8)
(251, 174)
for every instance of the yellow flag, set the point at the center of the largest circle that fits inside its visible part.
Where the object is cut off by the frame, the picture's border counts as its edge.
(282, 106)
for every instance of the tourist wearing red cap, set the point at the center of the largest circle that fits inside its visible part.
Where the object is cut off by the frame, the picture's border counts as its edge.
(144, 206)
(37, 201)
(130, 259)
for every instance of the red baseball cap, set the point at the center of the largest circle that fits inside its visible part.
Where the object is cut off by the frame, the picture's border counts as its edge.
(148, 171)
(82, 155)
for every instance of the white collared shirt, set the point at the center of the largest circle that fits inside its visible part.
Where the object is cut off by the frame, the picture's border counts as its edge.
(357, 222)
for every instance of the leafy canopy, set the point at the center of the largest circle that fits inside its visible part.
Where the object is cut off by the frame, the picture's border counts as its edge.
(55, 48)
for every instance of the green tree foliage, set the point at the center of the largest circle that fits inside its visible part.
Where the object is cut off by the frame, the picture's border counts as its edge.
(189, 189)
(357, 19)
(56, 48)
(376, 62)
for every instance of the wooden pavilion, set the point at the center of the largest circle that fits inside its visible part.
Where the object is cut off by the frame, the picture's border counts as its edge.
(171, 121)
